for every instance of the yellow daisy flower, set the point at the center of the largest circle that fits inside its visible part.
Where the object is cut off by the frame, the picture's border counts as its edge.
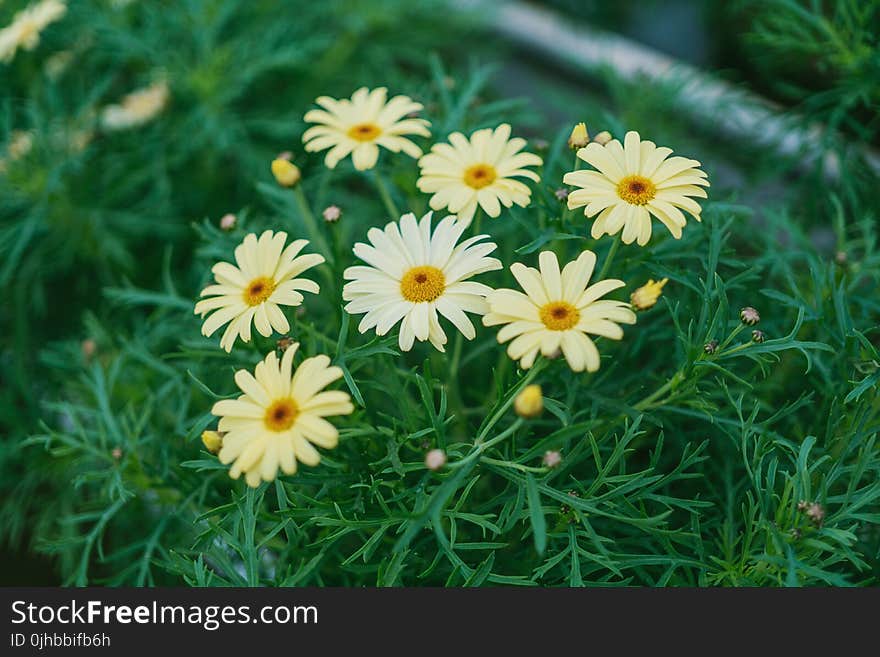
(280, 416)
(264, 279)
(478, 171)
(633, 182)
(413, 275)
(360, 125)
(24, 32)
(557, 312)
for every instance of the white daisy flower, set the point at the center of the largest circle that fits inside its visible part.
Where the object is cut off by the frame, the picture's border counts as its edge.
(24, 32)
(478, 171)
(280, 416)
(557, 312)
(413, 275)
(633, 182)
(264, 279)
(361, 125)
(137, 108)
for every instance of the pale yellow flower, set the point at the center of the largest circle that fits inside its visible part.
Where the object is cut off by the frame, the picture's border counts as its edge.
(252, 292)
(137, 108)
(20, 144)
(557, 312)
(24, 31)
(478, 171)
(646, 296)
(360, 125)
(632, 182)
(413, 275)
(280, 417)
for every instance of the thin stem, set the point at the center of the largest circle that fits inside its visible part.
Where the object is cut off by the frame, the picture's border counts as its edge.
(478, 220)
(514, 465)
(609, 259)
(311, 224)
(385, 194)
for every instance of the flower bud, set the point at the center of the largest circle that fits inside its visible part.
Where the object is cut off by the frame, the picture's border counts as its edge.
(529, 402)
(435, 459)
(758, 336)
(646, 296)
(331, 214)
(749, 316)
(212, 440)
(286, 172)
(88, 348)
(816, 513)
(552, 459)
(579, 136)
(711, 347)
(227, 221)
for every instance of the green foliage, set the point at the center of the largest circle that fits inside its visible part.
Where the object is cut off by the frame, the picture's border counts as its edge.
(679, 467)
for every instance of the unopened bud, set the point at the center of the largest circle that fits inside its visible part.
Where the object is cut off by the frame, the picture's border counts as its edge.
(212, 440)
(117, 453)
(286, 172)
(711, 347)
(529, 402)
(332, 214)
(646, 296)
(88, 348)
(816, 513)
(284, 343)
(579, 136)
(435, 459)
(552, 458)
(227, 221)
(561, 194)
(749, 316)
(758, 336)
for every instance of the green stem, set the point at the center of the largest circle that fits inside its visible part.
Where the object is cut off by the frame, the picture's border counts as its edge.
(390, 206)
(478, 220)
(311, 223)
(514, 465)
(609, 259)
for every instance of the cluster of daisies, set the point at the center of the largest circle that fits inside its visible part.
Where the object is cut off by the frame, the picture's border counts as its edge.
(419, 277)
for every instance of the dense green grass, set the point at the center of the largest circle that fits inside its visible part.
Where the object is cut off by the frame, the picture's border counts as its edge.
(679, 467)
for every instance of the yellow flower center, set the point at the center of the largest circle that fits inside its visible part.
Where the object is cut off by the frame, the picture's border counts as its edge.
(480, 175)
(364, 131)
(258, 290)
(559, 315)
(422, 284)
(636, 190)
(280, 415)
